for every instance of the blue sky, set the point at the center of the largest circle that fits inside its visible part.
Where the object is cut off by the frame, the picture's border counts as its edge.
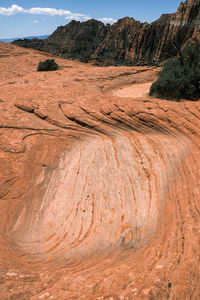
(20, 18)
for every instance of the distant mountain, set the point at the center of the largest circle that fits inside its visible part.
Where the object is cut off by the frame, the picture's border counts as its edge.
(125, 42)
(41, 37)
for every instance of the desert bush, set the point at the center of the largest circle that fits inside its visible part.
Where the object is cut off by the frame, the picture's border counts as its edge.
(47, 65)
(180, 77)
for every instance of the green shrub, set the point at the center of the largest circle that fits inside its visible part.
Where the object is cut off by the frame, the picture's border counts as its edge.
(180, 77)
(47, 65)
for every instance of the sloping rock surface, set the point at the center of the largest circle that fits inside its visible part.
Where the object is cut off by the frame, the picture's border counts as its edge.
(99, 185)
(127, 41)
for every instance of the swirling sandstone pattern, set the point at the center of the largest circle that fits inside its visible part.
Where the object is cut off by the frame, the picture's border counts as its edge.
(99, 192)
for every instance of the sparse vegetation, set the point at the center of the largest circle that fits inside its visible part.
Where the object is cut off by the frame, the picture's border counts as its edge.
(180, 77)
(47, 65)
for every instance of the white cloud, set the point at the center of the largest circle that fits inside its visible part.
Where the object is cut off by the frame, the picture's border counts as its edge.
(35, 21)
(78, 17)
(107, 20)
(12, 10)
(15, 9)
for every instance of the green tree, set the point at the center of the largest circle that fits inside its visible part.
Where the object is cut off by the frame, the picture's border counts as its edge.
(180, 77)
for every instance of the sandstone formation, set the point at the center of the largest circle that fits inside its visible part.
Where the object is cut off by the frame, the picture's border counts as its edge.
(99, 185)
(127, 41)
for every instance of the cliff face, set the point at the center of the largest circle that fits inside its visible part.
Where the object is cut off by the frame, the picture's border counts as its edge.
(76, 40)
(127, 41)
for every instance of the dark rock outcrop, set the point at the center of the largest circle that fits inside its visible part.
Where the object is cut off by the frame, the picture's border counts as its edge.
(30, 43)
(76, 40)
(127, 41)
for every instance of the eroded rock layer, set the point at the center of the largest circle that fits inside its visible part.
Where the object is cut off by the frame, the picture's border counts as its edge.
(127, 41)
(99, 192)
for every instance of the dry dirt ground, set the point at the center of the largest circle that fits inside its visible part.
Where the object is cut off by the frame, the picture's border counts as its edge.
(99, 184)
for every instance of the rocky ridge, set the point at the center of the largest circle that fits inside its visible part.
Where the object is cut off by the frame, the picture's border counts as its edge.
(127, 41)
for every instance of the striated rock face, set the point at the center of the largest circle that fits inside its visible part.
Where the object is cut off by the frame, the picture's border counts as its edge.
(99, 193)
(75, 41)
(127, 41)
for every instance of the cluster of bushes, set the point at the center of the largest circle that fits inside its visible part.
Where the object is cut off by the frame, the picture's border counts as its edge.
(47, 65)
(180, 77)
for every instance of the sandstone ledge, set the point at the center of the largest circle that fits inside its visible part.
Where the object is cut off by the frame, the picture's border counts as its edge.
(99, 194)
